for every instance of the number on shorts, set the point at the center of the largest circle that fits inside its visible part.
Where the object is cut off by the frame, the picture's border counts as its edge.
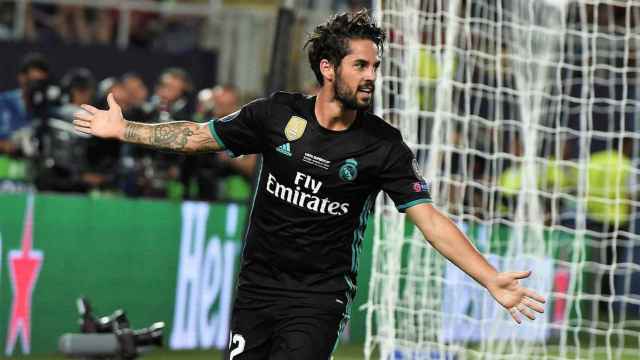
(239, 341)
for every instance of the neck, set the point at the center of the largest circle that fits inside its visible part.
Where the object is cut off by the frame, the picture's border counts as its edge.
(331, 113)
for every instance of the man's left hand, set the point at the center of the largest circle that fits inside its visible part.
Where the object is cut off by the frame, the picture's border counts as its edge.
(506, 289)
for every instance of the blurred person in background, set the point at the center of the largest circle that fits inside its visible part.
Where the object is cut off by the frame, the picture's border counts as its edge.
(166, 174)
(136, 93)
(238, 172)
(136, 89)
(173, 96)
(15, 104)
(325, 159)
(71, 162)
(16, 118)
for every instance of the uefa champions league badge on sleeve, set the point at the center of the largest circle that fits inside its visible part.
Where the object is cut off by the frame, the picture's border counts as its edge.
(349, 170)
(295, 128)
(420, 186)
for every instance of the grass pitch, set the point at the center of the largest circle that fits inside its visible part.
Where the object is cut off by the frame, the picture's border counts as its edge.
(344, 352)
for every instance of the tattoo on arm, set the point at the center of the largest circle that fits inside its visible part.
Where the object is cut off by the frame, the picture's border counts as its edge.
(133, 132)
(179, 136)
(171, 136)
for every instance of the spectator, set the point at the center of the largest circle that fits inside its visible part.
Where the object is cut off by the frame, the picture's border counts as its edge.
(137, 95)
(172, 99)
(164, 174)
(240, 172)
(135, 88)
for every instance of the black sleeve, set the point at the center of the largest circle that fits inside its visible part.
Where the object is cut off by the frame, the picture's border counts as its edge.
(401, 179)
(243, 131)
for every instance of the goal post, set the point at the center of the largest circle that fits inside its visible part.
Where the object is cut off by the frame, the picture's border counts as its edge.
(523, 117)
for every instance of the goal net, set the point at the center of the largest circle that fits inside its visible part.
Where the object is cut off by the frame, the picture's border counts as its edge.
(524, 118)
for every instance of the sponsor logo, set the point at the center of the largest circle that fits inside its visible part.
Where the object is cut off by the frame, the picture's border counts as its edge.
(305, 194)
(295, 128)
(349, 170)
(316, 161)
(205, 278)
(24, 268)
(420, 186)
(284, 149)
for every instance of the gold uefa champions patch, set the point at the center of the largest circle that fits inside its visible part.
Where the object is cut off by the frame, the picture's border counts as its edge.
(295, 128)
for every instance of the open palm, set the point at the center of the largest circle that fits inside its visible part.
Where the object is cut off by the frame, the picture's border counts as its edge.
(101, 123)
(507, 291)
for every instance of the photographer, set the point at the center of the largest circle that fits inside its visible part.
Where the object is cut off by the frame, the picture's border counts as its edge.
(16, 119)
(62, 163)
(14, 104)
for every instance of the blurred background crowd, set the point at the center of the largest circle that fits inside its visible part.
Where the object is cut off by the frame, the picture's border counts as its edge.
(39, 146)
(177, 71)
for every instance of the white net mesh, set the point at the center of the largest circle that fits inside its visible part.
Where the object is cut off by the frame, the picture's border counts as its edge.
(523, 116)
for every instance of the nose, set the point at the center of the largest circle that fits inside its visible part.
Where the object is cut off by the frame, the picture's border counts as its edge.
(370, 74)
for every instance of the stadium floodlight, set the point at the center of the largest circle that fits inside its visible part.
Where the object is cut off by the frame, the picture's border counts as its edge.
(521, 114)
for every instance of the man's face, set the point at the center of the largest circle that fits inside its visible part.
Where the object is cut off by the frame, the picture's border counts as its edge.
(170, 89)
(356, 75)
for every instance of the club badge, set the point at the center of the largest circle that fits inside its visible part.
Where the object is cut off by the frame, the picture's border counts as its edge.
(295, 128)
(349, 170)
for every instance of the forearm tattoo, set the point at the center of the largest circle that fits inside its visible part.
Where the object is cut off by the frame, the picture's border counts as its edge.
(179, 136)
(133, 132)
(171, 136)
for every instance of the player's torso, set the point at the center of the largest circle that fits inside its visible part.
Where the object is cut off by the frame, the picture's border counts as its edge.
(315, 177)
(315, 191)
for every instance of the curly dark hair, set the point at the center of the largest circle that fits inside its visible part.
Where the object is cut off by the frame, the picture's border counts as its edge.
(331, 40)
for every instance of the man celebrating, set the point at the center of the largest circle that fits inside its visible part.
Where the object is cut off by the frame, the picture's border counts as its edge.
(325, 159)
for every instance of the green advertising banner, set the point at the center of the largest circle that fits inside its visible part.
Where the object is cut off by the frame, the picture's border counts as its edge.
(157, 260)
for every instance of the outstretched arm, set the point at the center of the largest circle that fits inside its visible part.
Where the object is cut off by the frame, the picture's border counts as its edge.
(445, 237)
(179, 136)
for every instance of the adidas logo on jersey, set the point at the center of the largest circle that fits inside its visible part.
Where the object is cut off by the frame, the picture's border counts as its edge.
(284, 149)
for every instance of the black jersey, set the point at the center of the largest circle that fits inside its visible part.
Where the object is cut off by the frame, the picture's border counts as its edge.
(315, 190)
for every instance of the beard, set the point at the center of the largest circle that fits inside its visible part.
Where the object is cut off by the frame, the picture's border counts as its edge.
(349, 98)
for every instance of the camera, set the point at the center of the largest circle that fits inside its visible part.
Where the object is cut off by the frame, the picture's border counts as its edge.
(109, 337)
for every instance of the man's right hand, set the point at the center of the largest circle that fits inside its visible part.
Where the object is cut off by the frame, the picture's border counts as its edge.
(101, 123)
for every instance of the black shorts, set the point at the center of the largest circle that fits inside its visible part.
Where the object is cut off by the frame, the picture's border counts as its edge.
(286, 330)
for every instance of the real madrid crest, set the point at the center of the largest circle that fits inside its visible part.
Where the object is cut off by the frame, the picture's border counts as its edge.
(295, 128)
(349, 170)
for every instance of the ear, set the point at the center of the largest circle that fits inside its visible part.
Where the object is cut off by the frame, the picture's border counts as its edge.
(327, 70)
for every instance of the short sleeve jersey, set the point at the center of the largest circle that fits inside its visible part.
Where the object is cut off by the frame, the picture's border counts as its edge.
(315, 190)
